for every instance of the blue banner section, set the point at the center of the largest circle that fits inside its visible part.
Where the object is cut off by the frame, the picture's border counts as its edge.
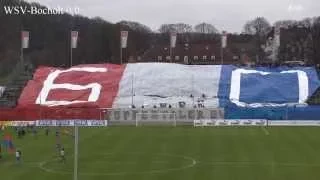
(224, 85)
(266, 87)
(273, 113)
(269, 88)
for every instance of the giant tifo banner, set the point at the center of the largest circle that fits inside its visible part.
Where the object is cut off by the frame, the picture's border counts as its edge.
(80, 91)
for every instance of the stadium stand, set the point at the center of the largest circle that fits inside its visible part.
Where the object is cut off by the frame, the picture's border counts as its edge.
(22, 73)
(315, 98)
(251, 93)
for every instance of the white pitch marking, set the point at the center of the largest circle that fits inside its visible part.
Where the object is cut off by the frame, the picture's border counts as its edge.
(266, 132)
(272, 168)
(29, 164)
(248, 163)
(192, 164)
(128, 162)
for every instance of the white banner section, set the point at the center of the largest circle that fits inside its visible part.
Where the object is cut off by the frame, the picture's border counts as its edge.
(295, 123)
(255, 122)
(25, 39)
(173, 39)
(56, 123)
(74, 39)
(212, 122)
(66, 123)
(124, 39)
(2, 91)
(164, 114)
(224, 39)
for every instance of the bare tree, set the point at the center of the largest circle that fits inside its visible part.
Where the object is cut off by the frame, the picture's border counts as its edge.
(285, 23)
(166, 28)
(183, 28)
(206, 28)
(307, 23)
(99, 20)
(316, 20)
(316, 40)
(259, 26)
(179, 28)
(136, 26)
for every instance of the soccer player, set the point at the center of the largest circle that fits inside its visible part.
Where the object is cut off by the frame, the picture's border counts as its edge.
(47, 131)
(58, 140)
(18, 156)
(62, 156)
(19, 131)
(8, 144)
(0, 152)
(34, 130)
(57, 132)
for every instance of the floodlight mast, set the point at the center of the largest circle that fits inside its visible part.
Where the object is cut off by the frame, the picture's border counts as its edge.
(76, 152)
(76, 128)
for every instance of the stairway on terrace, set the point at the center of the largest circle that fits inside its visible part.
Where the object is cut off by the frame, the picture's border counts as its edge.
(17, 80)
(315, 98)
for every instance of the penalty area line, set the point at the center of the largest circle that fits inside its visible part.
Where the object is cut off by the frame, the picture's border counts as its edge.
(266, 132)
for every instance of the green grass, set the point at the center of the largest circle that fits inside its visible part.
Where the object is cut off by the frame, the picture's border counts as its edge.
(165, 153)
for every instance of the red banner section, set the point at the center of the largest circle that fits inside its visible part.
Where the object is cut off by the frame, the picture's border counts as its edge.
(75, 93)
(79, 86)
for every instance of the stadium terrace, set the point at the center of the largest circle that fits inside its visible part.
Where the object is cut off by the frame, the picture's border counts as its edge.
(83, 91)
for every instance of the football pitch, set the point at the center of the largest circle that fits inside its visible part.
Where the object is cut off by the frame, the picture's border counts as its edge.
(172, 153)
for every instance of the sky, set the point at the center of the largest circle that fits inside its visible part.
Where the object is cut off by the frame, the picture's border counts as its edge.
(228, 15)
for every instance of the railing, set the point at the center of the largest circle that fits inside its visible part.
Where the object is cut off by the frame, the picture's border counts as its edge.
(52, 113)
(92, 113)
(181, 114)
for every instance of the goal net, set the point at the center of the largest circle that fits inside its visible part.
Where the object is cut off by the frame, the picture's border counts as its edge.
(166, 119)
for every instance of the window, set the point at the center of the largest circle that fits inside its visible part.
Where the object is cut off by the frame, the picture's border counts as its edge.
(186, 59)
(159, 58)
(196, 58)
(213, 57)
(139, 58)
(177, 58)
(168, 57)
(204, 57)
